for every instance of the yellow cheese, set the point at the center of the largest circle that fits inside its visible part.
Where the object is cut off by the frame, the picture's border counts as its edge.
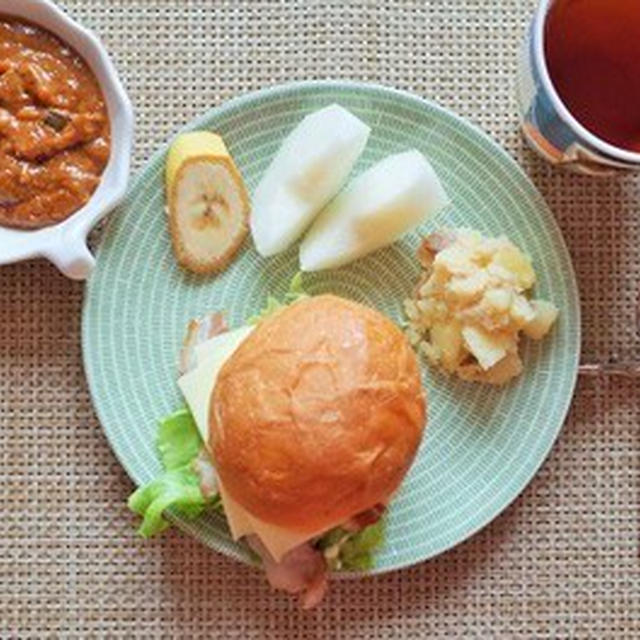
(237, 517)
(196, 387)
(277, 540)
(223, 345)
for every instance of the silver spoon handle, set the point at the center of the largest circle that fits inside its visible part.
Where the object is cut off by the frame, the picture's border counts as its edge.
(623, 369)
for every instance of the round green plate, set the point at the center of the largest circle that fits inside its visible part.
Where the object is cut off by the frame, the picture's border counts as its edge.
(482, 445)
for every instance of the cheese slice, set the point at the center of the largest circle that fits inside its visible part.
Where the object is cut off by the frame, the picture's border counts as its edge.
(197, 384)
(196, 387)
(222, 345)
(277, 540)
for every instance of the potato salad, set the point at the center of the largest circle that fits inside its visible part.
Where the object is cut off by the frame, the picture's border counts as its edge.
(472, 303)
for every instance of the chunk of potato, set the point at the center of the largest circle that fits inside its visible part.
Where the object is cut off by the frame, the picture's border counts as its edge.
(487, 347)
(521, 311)
(512, 259)
(468, 289)
(544, 315)
(497, 300)
(509, 367)
(447, 338)
(455, 260)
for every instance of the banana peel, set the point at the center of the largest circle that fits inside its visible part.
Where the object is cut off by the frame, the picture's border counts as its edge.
(207, 202)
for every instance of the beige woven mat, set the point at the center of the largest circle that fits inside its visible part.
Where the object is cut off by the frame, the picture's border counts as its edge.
(561, 562)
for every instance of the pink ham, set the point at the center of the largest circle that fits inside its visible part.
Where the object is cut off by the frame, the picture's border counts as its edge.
(303, 571)
(204, 469)
(198, 331)
(365, 518)
(433, 244)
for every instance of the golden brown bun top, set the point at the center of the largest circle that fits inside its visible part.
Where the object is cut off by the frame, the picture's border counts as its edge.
(317, 415)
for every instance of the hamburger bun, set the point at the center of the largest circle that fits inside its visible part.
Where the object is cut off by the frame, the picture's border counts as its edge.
(317, 415)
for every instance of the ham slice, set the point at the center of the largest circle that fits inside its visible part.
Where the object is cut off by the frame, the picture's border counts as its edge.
(198, 331)
(433, 244)
(302, 571)
(365, 518)
(206, 472)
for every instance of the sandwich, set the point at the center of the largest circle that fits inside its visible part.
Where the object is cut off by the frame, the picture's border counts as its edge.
(300, 428)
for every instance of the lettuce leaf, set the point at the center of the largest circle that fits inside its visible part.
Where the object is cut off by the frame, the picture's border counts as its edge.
(177, 488)
(296, 292)
(178, 439)
(357, 553)
(179, 444)
(346, 551)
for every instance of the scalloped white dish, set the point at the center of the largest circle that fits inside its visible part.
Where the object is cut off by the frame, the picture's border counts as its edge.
(65, 243)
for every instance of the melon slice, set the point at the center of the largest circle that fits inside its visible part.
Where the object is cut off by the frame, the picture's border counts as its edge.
(309, 169)
(379, 206)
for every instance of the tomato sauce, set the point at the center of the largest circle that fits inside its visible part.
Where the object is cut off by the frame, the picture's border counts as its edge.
(54, 128)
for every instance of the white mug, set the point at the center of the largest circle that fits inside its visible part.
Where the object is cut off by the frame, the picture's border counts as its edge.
(548, 125)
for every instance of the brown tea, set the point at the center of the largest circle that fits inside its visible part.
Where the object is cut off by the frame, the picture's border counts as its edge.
(592, 49)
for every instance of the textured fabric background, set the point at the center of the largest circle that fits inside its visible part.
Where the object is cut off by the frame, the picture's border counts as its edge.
(562, 562)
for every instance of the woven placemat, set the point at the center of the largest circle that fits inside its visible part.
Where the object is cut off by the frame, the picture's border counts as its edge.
(561, 562)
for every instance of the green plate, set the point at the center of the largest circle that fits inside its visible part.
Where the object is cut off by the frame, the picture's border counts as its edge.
(482, 445)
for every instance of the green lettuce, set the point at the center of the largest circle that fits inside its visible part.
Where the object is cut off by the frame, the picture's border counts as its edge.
(178, 439)
(296, 292)
(179, 488)
(346, 551)
(179, 443)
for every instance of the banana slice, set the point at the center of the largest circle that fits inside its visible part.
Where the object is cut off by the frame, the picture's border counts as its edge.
(208, 204)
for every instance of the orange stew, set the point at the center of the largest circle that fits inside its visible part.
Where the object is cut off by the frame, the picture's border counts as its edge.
(54, 128)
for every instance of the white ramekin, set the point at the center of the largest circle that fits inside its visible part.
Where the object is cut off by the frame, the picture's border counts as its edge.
(65, 243)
